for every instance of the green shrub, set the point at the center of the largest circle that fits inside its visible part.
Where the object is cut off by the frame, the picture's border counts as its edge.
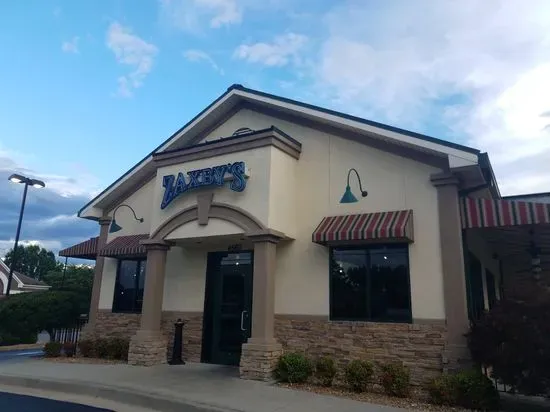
(476, 391)
(117, 348)
(358, 375)
(69, 349)
(102, 348)
(443, 390)
(469, 389)
(87, 348)
(293, 368)
(396, 380)
(52, 349)
(325, 370)
(17, 337)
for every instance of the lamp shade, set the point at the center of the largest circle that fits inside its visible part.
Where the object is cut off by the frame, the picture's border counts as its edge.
(114, 227)
(348, 197)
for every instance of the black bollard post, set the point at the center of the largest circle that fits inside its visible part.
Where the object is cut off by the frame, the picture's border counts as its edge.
(178, 344)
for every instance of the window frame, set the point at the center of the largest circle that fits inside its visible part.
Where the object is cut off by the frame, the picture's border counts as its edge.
(141, 262)
(369, 247)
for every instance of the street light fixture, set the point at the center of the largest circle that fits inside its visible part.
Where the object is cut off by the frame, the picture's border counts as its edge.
(27, 181)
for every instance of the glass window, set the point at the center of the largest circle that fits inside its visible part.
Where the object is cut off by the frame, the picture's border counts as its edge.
(370, 283)
(129, 285)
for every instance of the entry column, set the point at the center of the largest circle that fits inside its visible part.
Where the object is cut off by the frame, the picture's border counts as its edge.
(148, 346)
(454, 277)
(261, 352)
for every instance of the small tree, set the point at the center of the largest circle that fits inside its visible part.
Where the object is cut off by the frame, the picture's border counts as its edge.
(513, 340)
(33, 261)
(24, 315)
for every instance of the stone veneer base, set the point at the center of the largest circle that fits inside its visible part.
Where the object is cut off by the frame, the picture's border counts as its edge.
(417, 346)
(421, 347)
(258, 361)
(126, 325)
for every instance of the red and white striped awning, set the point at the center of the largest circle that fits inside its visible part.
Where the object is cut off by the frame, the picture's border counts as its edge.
(395, 225)
(484, 213)
(83, 250)
(125, 246)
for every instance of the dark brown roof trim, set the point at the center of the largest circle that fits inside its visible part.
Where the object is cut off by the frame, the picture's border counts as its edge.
(246, 141)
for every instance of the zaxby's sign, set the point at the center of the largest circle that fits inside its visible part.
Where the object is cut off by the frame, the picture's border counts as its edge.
(235, 173)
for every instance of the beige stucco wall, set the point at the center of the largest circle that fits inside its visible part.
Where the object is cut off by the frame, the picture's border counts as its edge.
(108, 284)
(254, 199)
(293, 196)
(141, 202)
(319, 178)
(185, 280)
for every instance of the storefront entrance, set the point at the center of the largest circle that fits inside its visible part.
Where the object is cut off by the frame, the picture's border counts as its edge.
(228, 306)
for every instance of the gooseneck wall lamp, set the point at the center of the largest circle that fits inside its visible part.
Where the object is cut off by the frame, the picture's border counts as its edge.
(348, 196)
(39, 184)
(115, 227)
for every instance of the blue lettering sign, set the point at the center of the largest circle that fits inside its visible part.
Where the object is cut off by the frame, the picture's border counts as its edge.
(211, 176)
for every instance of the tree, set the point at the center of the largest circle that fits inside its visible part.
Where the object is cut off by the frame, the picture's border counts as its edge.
(76, 279)
(512, 339)
(33, 261)
(24, 315)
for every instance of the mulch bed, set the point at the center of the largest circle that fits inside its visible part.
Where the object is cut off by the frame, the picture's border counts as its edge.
(373, 397)
(79, 359)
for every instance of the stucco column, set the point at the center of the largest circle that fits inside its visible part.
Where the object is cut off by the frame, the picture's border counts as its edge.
(261, 352)
(454, 278)
(104, 223)
(148, 346)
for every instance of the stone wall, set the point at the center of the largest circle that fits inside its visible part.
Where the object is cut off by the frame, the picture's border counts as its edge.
(126, 324)
(418, 346)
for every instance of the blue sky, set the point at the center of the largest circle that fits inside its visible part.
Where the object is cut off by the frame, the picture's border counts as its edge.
(82, 75)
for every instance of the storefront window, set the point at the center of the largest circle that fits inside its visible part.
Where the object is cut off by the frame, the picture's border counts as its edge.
(130, 281)
(370, 283)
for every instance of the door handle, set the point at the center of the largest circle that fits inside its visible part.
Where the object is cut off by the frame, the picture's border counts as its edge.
(242, 319)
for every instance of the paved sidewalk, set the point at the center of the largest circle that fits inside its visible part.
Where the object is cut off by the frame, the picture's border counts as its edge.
(207, 387)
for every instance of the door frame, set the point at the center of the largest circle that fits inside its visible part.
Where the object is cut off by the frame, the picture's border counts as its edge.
(211, 296)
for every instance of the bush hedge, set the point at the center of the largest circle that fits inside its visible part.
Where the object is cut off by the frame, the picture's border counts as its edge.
(105, 348)
(396, 380)
(293, 367)
(358, 375)
(52, 349)
(325, 370)
(469, 389)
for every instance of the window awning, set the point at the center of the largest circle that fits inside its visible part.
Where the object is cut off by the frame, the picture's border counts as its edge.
(125, 246)
(484, 213)
(83, 250)
(396, 225)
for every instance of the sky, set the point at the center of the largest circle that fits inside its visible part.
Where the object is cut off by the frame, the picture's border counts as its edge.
(89, 87)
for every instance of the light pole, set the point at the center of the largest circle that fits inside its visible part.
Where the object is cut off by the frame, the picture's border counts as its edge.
(16, 178)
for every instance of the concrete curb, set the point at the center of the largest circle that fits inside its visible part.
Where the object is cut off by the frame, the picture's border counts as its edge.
(139, 398)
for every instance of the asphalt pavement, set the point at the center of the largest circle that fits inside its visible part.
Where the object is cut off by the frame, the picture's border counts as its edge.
(10, 402)
(16, 355)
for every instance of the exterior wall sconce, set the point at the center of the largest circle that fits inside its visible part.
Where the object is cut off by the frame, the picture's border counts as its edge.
(348, 196)
(116, 227)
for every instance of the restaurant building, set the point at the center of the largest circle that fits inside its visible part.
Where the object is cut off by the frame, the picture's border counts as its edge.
(268, 224)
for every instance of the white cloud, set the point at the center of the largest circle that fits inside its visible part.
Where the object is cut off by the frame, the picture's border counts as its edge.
(199, 55)
(70, 46)
(278, 53)
(7, 245)
(191, 15)
(481, 67)
(132, 51)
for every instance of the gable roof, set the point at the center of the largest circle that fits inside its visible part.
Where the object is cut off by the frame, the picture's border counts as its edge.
(227, 104)
(19, 281)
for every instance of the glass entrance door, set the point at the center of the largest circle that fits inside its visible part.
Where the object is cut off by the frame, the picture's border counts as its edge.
(228, 306)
